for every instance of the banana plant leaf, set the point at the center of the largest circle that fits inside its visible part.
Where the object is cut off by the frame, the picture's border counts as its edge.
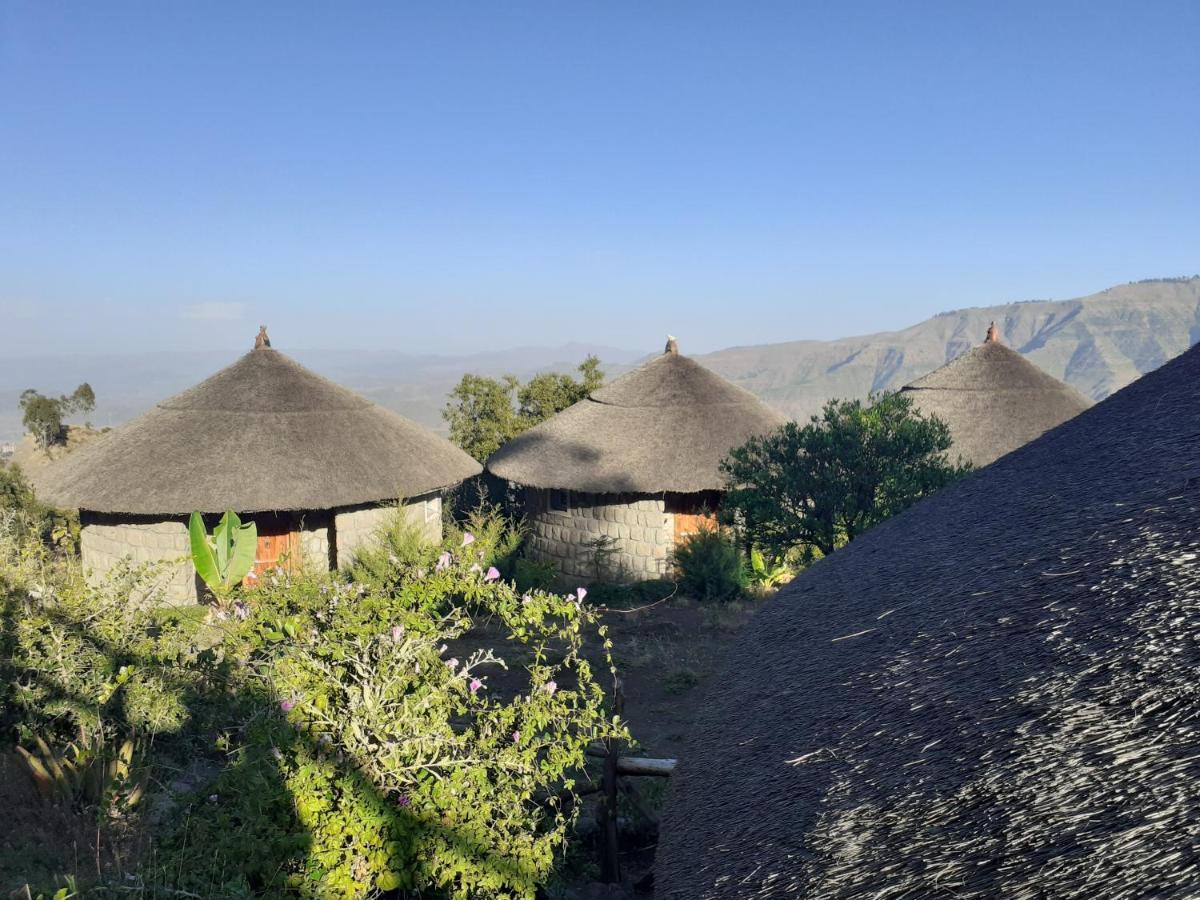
(243, 549)
(202, 554)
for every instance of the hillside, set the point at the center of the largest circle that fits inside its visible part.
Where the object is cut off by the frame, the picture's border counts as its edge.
(1098, 344)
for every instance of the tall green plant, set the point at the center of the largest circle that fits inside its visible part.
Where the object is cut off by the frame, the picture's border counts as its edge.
(223, 560)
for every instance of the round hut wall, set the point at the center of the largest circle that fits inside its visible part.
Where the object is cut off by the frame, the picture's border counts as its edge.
(294, 540)
(619, 538)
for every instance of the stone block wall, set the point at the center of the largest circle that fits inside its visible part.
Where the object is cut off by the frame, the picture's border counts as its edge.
(356, 525)
(637, 527)
(106, 540)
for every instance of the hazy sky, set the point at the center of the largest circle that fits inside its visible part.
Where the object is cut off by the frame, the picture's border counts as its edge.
(450, 177)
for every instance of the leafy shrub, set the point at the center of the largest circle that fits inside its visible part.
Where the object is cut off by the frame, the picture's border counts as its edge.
(355, 752)
(533, 575)
(709, 565)
(824, 483)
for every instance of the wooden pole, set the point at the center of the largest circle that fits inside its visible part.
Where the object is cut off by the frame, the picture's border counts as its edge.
(610, 863)
(636, 765)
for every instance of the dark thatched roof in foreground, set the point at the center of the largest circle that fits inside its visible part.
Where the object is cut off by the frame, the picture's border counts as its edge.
(994, 400)
(994, 694)
(263, 434)
(665, 426)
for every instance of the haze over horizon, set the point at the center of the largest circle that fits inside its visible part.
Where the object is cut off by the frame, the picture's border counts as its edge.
(451, 179)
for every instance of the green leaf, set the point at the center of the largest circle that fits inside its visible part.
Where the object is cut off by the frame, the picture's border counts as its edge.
(245, 544)
(223, 537)
(202, 555)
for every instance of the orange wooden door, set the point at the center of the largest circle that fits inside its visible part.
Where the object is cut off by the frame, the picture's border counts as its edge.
(278, 547)
(687, 524)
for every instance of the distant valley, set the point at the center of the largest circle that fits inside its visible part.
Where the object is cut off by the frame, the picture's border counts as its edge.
(1098, 344)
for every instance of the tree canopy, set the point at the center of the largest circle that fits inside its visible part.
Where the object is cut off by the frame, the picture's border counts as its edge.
(822, 484)
(43, 416)
(483, 413)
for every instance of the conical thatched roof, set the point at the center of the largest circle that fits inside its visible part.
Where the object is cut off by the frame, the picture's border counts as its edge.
(994, 694)
(994, 400)
(263, 434)
(665, 426)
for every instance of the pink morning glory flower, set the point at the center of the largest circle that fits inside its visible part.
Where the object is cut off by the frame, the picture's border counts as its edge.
(468, 538)
(397, 633)
(516, 736)
(287, 705)
(492, 574)
(443, 562)
(580, 593)
(475, 685)
(551, 687)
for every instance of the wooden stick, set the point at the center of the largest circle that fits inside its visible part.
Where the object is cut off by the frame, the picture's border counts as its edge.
(636, 765)
(610, 862)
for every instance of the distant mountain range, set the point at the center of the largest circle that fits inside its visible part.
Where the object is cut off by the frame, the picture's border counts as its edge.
(1098, 344)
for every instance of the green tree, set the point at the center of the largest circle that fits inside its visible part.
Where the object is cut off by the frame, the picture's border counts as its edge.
(43, 416)
(822, 484)
(483, 413)
(480, 414)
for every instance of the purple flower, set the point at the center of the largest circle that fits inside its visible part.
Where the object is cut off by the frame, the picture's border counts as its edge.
(468, 538)
(475, 685)
(287, 705)
(580, 593)
(551, 687)
(404, 800)
(397, 633)
(492, 574)
(443, 562)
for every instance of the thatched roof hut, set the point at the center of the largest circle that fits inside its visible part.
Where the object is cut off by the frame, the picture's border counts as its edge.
(994, 694)
(264, 436)
(994, 400)
(643, 448)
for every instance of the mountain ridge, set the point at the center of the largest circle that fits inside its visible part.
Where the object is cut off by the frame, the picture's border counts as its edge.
(1097, 343)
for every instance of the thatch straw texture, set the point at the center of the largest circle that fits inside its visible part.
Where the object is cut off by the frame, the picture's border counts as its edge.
(994, 400)
(665, 426)
(263, 434)
(994, 694)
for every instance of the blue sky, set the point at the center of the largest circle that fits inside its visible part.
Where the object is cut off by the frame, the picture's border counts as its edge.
(451, 177)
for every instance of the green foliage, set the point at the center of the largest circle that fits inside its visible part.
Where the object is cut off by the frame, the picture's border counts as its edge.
(43, 416)
(824, 483)
(709, 565)
(223, 560)
(87, 775)
(483, 413)
(20, 509)
(765, 573)
(356, 752)
(549, 393)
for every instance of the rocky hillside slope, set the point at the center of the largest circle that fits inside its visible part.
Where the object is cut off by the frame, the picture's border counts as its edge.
(1098, 344)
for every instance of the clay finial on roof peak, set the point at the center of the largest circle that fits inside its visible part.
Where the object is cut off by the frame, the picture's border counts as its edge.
(261, 339)
(672, 344)
(993, 336)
